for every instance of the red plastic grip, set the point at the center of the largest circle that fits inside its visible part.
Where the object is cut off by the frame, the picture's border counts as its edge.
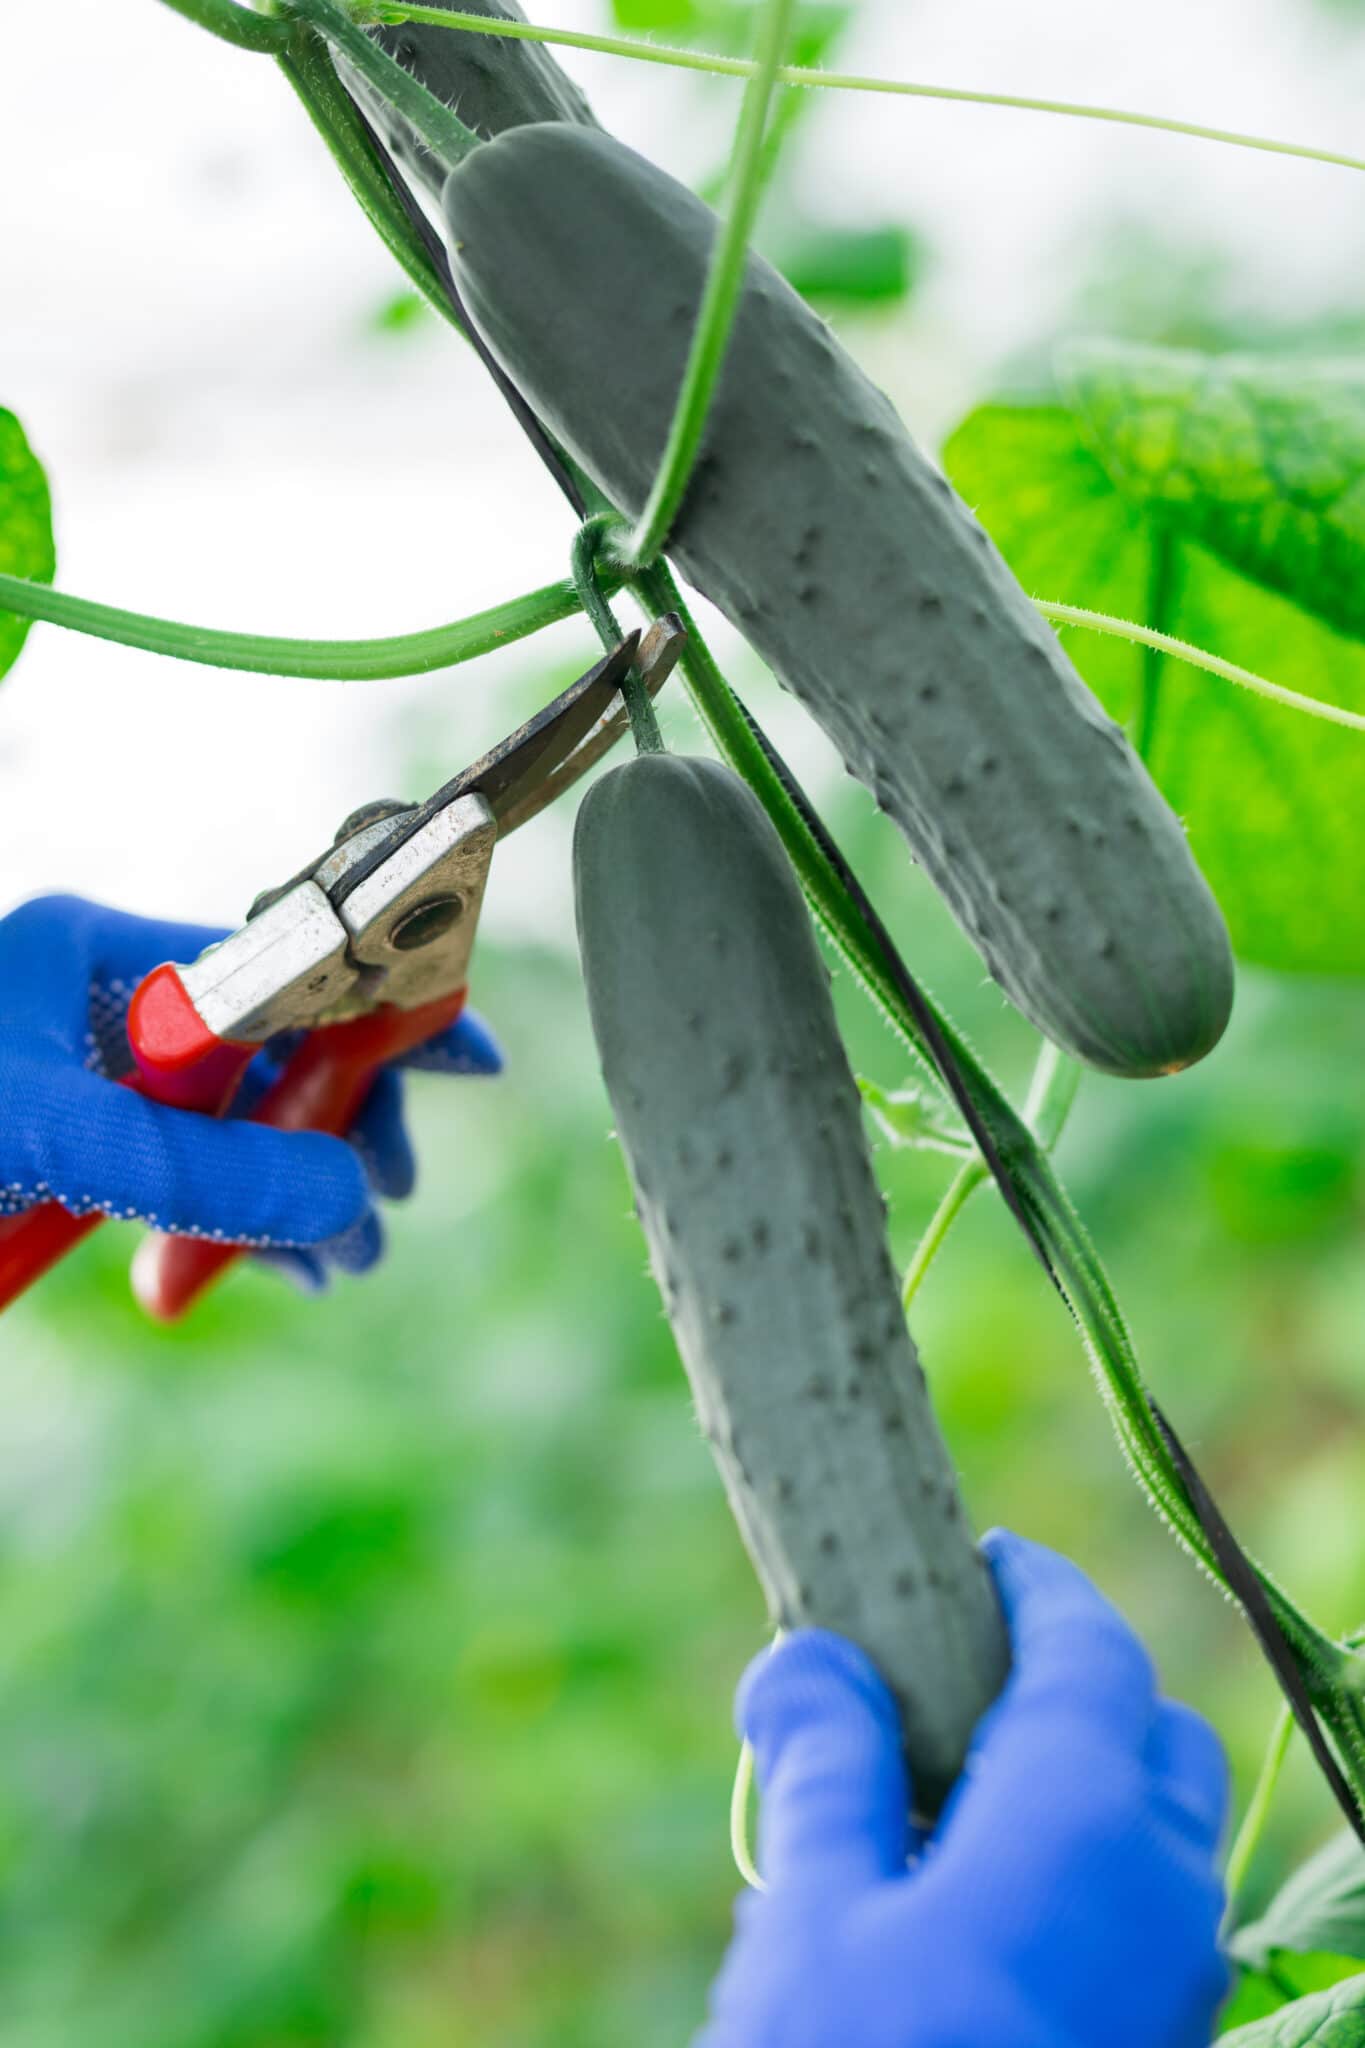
(323, 1088)
(31, 1244)
(179, 1059)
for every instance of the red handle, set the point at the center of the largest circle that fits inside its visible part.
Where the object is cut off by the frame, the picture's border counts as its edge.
(323, 1088)
(179, 1062)
(31, 1244)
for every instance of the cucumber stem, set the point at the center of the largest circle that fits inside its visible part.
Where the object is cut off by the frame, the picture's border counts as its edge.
(961, 1188)
(740, 1795)
(1052, 1092)
(590, 543)
(444, 134)
(1258, 1810)
(724, 282)
(347, 661)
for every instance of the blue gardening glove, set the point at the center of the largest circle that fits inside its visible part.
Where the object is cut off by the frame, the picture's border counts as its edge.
(68, 970)
(1068, 1897)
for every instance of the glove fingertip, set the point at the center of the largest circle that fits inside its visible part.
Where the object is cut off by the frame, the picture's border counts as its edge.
(360, 1248)
(304, 1271)
(379, 1137)
(812, 1674)
(275, 1188)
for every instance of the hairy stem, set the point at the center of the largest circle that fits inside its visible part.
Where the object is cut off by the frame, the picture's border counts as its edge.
(1230, 671)
(343, 661)
(848, 81)
(444, 134)
(588, 550)
(724, 282)
(239, 26)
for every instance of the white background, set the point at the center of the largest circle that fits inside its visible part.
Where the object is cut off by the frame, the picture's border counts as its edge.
(186, 290)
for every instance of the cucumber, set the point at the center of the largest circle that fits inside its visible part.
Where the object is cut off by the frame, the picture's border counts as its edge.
(742, 1128)
(492, 82)
(851, 566)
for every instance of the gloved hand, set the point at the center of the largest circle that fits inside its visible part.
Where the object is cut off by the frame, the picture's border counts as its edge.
(68, 970)
(1068, 1897)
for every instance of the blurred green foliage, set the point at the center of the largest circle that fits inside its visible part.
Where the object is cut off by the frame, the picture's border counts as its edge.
(1260, 460)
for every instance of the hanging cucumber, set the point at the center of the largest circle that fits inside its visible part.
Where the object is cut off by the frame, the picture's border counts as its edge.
(742, 1127)
(848, 562)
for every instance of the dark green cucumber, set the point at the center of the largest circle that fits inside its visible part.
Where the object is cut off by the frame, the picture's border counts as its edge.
(742, 1127)
(848, 562)
(492, 82)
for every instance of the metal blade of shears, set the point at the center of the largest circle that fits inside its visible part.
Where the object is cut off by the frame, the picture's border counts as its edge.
(507, 776)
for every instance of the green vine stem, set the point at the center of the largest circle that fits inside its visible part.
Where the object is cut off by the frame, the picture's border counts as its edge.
(961, 1188)
(1052, 1092)
(1182, 650)
(240, 26)
(342, 661)
(588, 550)
(444, 134)
(848, 81)
(1254, 1819)
(1334, 1678)
(724, 281)
(741, 1794)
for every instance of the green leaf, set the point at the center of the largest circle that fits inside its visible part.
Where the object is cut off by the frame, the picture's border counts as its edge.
(1284, 1978)
(1322, 1907)
(1261, 460)
(1274, 801)
(848, 266)
(1328, 2019)
(26, 545)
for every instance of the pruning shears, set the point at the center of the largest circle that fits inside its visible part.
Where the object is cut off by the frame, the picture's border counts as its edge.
(365, 951)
